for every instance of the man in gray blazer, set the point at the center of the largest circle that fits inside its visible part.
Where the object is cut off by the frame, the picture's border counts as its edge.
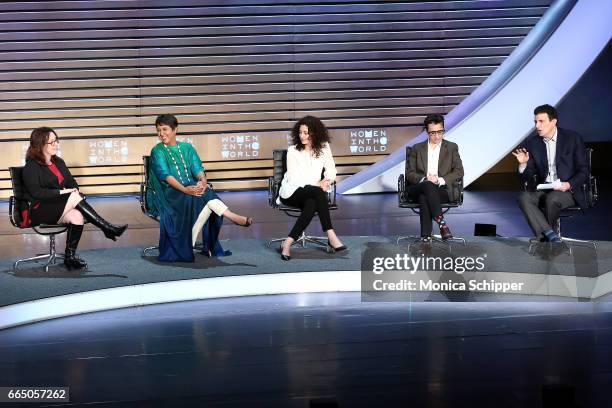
(433, 167)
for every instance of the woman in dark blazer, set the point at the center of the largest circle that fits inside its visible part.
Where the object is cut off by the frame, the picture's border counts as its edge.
(433, 167)
(54, 196)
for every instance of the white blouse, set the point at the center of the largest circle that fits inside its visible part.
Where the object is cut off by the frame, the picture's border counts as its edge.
(303, 168)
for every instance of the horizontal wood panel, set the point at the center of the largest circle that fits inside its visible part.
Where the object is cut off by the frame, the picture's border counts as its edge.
(271, 57)
(459, 46)
(100, 71)
(288, 18)
(91, 5)
(241, 40)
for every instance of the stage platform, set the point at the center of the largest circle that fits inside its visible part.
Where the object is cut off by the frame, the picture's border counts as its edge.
(122, 277)
(119, 277)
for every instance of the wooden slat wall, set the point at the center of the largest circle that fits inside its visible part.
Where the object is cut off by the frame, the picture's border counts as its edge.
(102, 70)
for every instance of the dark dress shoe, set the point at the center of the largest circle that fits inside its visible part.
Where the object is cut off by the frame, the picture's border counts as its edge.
(339, 249)
(445, 233)
(283, 256)
(71, 261)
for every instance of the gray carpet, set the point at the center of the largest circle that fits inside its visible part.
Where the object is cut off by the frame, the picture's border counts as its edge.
(124, 266)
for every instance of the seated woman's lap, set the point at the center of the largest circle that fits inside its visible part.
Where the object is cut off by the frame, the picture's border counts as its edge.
(302, 194)
(70, 214)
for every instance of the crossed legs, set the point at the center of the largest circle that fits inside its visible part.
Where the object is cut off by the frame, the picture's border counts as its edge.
(311, 199)
(218, 207)
(430, 198)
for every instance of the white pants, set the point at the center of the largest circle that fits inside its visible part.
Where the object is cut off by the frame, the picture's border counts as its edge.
(215, 206)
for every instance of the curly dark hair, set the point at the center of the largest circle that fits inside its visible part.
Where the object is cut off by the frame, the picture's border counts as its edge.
(39, 137)
(317, 131)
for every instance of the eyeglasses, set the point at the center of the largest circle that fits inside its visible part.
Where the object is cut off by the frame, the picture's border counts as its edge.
(436, 133)
(56, 141)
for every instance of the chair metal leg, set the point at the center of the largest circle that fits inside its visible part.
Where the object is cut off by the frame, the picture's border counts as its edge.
(151, 248)
(303, 239)
(573, 240)
(448, 241)
(566, 240)
(52, 256)
(410, 237)
(580, 241)
(435, 239)
(270, 242)
(319, 241)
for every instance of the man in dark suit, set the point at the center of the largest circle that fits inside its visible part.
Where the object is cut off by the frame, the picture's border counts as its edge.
(556, 157)
(433, 168)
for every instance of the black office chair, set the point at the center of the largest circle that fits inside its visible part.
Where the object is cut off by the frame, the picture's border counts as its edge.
(280, 168)
(404, 201)
(146, 207)
(19, 204)
(589, 189)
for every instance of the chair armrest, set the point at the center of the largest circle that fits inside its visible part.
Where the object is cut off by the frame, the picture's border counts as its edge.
(589, 191)
(594, 192)
(401, 189)
(458, 190)
(13, 212)
(331, 194)
(273, 189)
(530, 185)
(142, 198)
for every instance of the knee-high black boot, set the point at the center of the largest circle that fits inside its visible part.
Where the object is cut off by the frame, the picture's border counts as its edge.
(111, 231)
(72, 241)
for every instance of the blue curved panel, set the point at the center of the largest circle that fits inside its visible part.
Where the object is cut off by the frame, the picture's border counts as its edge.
(498, 115)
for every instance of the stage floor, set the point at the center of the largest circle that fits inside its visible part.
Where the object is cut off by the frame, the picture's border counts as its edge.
(361, 221)
(326, 350)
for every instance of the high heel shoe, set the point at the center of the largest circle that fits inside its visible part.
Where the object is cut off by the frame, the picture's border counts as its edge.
(110, 231)
(283, 256)
(71, 261)
(339, 249)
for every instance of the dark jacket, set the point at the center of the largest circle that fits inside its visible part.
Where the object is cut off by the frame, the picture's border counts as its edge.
(571, 161)
(40, 182)
(450, 167)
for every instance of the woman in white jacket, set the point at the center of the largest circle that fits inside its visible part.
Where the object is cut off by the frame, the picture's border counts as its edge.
(302, 185)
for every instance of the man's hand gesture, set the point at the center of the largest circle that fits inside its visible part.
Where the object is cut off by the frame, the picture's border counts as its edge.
(522, 155)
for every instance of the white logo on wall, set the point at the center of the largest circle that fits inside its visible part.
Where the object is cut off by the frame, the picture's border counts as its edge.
(368, 141)
(239, 147)
(108, 151)
(24, 150)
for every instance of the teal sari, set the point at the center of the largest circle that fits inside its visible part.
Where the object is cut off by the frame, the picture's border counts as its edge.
(178, 211)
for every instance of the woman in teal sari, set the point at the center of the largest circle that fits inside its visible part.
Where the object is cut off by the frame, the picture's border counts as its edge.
(183, 199)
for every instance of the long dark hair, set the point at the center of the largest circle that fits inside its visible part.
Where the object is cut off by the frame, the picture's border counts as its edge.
(317, 131)
(39, 137)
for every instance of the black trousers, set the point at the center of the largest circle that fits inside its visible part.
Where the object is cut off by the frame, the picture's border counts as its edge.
(542, 208)
(310, 199)
(430, 197)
